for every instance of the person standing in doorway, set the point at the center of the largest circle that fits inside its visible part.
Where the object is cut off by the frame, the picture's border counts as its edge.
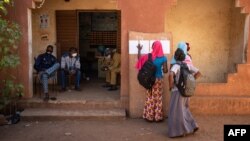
(180, 119)
(153, 108)
(70, 65)
(46, 65)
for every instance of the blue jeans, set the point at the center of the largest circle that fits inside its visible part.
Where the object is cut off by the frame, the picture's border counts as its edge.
(45, 75)
(77, 80)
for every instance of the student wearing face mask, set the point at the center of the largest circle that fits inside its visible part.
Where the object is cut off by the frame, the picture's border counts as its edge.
(70, 65)
(46, 66)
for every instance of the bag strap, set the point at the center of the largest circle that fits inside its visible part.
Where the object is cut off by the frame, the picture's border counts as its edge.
(150, 57)
(180, 64)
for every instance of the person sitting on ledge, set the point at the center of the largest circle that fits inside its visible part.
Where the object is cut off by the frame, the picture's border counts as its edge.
(70, 65)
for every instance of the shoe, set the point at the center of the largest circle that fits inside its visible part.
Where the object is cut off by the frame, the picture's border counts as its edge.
(106, 85)
(112, 88)
(77, 89)
(46, 99)
(63, 89)
(178, 136)
(53, 98)
(196, 129)
(148, 120)
(159, 121)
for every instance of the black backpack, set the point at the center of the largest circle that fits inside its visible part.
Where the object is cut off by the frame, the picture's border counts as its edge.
(146, 75)
(186, 84)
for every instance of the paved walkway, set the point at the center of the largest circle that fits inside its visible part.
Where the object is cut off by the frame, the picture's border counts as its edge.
(211, 129)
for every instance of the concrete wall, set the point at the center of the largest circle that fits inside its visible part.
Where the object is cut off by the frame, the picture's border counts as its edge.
(214, 29)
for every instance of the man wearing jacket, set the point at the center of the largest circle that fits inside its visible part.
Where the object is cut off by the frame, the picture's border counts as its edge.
(46, 66)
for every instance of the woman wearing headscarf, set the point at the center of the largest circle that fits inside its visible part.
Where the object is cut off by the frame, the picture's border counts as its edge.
(180, 119)
(184, 46)
(153, 108)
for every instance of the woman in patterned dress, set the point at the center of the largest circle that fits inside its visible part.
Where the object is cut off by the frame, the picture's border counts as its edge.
(153, 108)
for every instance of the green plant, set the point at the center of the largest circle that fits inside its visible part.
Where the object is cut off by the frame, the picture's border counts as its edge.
(9, 37)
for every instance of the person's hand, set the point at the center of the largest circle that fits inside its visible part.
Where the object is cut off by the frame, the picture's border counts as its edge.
(72, 71)
(139, 46)
(104, 68)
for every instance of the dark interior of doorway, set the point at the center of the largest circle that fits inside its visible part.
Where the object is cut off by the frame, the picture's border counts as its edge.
(98, 30)
(89, 31)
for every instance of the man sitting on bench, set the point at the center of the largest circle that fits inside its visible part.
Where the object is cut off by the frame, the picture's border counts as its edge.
(46, 65)
(70, 65)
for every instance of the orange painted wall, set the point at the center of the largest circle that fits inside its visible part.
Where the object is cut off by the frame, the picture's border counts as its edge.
(212, 28)
(140, 15)
(144, 16)
(19, 14)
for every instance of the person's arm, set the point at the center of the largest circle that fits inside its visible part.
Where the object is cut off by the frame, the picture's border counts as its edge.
(37, 65)
(197, 75)
(171, 80)
(54, 60)
(171, 65)
(196, 71)
(77, 63)
(63, 63)
(116, 61)
(139, 46)
(173, 71)
(165, 67)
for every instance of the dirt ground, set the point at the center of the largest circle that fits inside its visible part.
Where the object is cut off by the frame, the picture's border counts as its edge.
(211, 129)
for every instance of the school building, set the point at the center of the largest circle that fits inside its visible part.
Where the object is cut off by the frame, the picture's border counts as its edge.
(218, 33)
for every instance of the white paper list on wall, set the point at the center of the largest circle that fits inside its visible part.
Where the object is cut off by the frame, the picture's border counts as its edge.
(147, 46)
(133, 46)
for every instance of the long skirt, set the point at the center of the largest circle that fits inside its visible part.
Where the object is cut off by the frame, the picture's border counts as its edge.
(180, 119)
(153, 110)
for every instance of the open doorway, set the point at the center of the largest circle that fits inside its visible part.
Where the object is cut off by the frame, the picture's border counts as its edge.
(92, 33)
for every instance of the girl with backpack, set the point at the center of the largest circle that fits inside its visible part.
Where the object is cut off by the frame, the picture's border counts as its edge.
(153, 108)
(180, 119)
